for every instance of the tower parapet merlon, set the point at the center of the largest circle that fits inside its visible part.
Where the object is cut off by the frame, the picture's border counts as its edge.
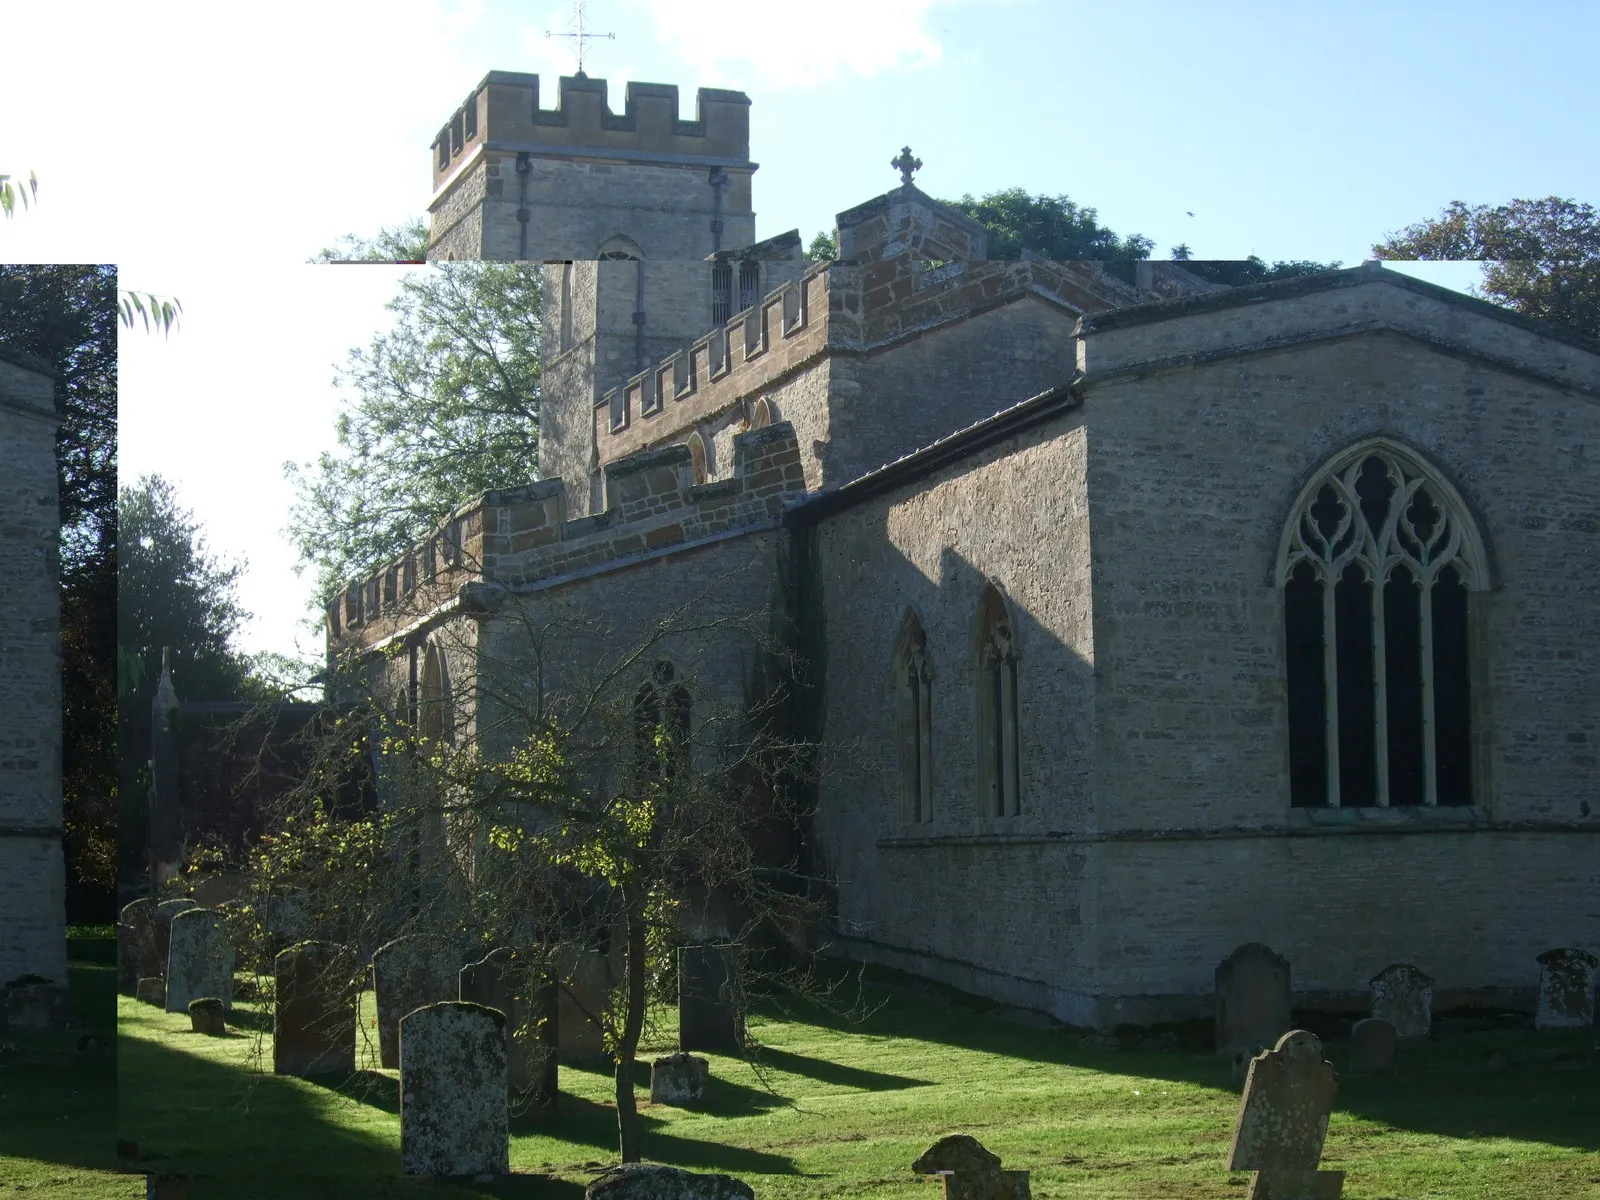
(504, 110)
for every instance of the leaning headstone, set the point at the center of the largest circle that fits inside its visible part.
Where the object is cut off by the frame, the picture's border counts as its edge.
(136, 944)
(406, 976)
(205, 1016)
(679, 1079)
(454, 1119)
(708, 1013)
(161, 926)
(970, 1170)
(1566, 990)
(314, 1017)
(1283, 1121)
(579, 1036)
(1403, 996)
(532, 1071)
(1252, 1003)
(34, 1004)
(1372, 1044)
(199, 959)
(152, 989)
(649, 1181)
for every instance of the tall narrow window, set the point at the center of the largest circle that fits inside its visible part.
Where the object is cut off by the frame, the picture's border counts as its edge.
(697, 458)
(912, 683)
(1376, 565)
(749, 283)
(721, 292)
(1000, 765)
(435, 715)
(566, 306)
(662, 710)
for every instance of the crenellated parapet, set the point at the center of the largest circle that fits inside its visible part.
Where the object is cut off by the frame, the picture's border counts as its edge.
(521, 538)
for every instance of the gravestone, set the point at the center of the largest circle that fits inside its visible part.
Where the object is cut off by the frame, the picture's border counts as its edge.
(454, 1119)
(205, 1016)
(679, 1079)
(649, 1181)
(532, 1071)
(970, 1170)
(162, 927)
(199, 959)
(34, 1004)
(136, 944)
(1403, 996)
(578, 1036)
(152, 989)
(708, 1016)
(1252, 987)
(314, 1017)
(1283, 1121)
(1566, 990)
(406, 976)
(1372, 1044)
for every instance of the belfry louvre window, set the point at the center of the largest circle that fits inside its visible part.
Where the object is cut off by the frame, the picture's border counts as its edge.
(749, 283)
(1376, 565)
(999, 754)
(721, 292)
(913, 680)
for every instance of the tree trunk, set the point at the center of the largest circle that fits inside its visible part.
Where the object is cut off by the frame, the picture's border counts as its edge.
(632, 1025)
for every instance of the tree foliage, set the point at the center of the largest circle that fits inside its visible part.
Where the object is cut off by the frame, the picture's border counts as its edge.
(1237, 272)
(1541, 258)
(1049, 226)
(438, 409)
(824, 248)
(402, 244)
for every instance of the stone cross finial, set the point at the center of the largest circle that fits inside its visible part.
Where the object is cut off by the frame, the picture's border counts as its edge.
(906, 165)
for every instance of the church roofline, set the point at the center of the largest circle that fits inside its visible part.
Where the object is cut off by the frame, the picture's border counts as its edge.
(1284, 289)
(910, 191)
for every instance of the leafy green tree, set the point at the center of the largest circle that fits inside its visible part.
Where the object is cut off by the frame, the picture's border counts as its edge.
(1049, 226)
(403, 243)
(1541, 258)
(440, 408)
(823, 248)
(1237, 272)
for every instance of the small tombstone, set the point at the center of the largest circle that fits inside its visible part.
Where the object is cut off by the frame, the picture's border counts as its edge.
(314, 1018)
(161, 927)
(579, 1036)
(1252, 987)
(532, 1070)
(454, 1118)
(970, 1170)
(1403, 996)
(1372, 1044)
(649, 1181)
(679, 1079)
(1283, 1121)
(405, 977)
(199, 959)
(33, 1004)
(136, 944)
(205, 1016)
(152, 989)
(708, 1018)
(1566, 990)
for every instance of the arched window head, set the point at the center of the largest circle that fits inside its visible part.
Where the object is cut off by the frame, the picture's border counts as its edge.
(1376, 563)
(618, 248)
(913, 679)
(762, 413)
(435, 710)
(698, 468)
(1000, 756)
(662, 710)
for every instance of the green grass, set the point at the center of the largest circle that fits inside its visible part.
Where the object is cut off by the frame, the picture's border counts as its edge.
(859, 1103)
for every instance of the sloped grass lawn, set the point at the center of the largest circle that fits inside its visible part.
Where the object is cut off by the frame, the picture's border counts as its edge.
(858, 1103)
(57, 1107)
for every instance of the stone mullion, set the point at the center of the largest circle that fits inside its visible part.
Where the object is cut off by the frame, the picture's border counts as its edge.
(1430, 779)
(1330, 684)
(1380, 698)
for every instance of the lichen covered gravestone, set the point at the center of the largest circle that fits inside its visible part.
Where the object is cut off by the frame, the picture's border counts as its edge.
(679, 1079)
(970, 1170)
(1252, 987)
(454, 1119)
(205, 1016)
(532, 1071)
(407, 974)
(1566, 990)
(34, 1004)
(161, 927)
(1403, 996)
(152, 989)
(649, 1181)
(136, 944)
(314, 1018)
(1283, 1121)
(199, 959)
(709, 1017)
(1372, 1045)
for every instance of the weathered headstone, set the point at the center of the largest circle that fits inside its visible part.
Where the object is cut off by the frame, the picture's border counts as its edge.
(1566, 990)
(679, 1079)
(199, 959)
(34, 1004)
(578, 1036)
(314, 1018)
(1252, 987)
(454, 1119)
(649, 1181)
(152, 989)
(161, 925)
(1283, 1121)
(709, 1017)
(136, 944)
(970, 1170)
(1372, 1044)
(205, 1016)
(532, 1071)
(1403, 996)
(406, 976)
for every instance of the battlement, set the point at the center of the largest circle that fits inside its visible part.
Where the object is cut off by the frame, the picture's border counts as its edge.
(517, 537)
(503, 110)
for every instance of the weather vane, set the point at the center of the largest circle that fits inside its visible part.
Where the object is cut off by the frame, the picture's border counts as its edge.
(579, 33)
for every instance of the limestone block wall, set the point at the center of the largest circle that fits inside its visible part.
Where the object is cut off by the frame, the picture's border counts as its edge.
(32, 880)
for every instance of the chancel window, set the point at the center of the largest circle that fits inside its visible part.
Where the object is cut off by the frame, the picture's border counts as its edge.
(1376, 566)
(913, 679)
(662, 708)
(1000, 755)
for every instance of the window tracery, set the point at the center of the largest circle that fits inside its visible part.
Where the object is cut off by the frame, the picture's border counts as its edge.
(913, 679)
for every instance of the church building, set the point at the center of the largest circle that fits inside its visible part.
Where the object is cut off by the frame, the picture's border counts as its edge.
(1147, 617)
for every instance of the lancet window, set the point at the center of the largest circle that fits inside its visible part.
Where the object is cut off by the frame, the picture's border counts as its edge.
(1376, 565)
(662, 708)
(721, 291)
(913, 680)
(1000, 756)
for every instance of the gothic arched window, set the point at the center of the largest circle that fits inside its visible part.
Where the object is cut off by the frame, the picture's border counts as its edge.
(435, 710)
(1376, 564)
(698, 472)
(721, 292)
(999, 754)
(749, 283)
(913, 679)
(618, 248)
(662, 708)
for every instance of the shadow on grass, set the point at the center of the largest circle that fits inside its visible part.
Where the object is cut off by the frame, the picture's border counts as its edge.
(827, 1072)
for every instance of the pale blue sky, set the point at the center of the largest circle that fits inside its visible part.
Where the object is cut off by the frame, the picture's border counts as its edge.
(208, 149)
